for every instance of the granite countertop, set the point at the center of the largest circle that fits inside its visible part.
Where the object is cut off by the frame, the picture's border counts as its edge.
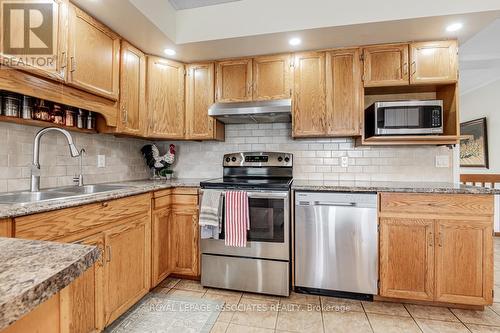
(33, 271)
(409, 187)
(134, 188)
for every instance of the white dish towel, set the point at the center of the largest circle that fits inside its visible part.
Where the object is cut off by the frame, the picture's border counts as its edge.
(210, 214)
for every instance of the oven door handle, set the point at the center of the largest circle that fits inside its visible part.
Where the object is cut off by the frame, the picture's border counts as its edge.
(263, 194)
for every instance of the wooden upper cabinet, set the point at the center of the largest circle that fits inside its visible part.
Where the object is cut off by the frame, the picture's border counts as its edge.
(407, 258)
(165, 98)
(308, 107)
(234, 80)
(464, 262)
(434, 62)
(271, 77)
(94, 55)
(127, 267)
(386, 65)
(132, 113)
(52, 65)
(199, 97)
(344, 92)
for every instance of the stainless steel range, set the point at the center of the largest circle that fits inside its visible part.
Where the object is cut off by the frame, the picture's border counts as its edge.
(262, 266)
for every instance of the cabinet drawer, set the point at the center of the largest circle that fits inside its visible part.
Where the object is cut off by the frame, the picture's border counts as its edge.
(162, 202)
(64, 222)
(424, 203)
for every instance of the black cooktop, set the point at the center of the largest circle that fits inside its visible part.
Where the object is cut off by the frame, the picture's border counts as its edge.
(248, 183)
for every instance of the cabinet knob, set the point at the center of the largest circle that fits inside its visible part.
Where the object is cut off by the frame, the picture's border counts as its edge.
(104, 204)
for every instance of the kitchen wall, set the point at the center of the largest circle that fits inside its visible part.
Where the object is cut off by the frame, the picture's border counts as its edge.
(318, 159)
(123, 158)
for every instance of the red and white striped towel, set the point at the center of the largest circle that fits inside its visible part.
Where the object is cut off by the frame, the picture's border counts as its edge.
(237, 220)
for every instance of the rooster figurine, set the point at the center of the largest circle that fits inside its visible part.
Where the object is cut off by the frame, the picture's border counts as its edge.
(153, 159)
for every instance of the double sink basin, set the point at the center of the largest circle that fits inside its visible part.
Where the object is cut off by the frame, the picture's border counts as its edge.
(70, 192)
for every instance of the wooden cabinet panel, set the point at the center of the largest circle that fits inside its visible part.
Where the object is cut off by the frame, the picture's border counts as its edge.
(82, 301)
(386, 65)
(234, 80)
(464, 262)
(132, 115)
(407, 258)
(344, 91)
(200, 92)
(271, 77)
(94, 55)
(185, 243)
(308, 109)
(434, 62)
(52, 65)
(162, 258)
(82, 220)
(6, 229)
(127, 268)
(165, 96)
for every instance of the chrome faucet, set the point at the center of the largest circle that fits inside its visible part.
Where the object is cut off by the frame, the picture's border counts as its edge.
(35, 167)
(78, 180)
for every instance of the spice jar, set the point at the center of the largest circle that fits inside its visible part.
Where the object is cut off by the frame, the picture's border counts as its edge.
(69, 117)
(28, 107)
(11, 105)
(90, 121)
(81, 119)
(42, 111)
(57, 115)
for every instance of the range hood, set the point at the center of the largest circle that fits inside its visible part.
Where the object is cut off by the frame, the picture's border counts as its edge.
(274, 111)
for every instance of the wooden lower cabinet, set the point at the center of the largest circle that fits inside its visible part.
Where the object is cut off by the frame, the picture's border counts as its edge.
(162, 260)
(431, 252)
(127, 268)
(407, 258)
(464, 260)
(185, 244)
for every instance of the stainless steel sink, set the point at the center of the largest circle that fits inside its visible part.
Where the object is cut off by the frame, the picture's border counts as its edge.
(56, 193)
(89, 189)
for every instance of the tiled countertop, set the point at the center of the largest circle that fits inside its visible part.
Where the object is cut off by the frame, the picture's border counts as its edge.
(135, 187)
(409, 187)
(33, 271)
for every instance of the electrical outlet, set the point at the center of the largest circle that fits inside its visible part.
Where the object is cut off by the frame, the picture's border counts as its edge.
(442, 161)
(345, 161)
(101, 161)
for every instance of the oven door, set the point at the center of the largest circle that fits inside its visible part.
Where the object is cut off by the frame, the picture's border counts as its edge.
(269, 232)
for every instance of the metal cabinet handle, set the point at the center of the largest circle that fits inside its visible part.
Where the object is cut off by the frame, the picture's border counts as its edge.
(73, 65)
(104, 204)
(414, 67)
(440, 239)
(431, 240)
(405, 68)
(124, 115)
(109, 253)
(64, 60)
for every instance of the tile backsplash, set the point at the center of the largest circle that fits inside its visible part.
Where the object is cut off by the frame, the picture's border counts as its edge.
(123, 158)
(316, 159)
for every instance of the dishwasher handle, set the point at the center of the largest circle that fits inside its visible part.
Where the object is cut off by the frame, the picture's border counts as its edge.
(325, 203)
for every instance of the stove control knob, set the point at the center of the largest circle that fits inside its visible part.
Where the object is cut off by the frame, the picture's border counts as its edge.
(287, 159)
(280, 159)
(228, 159)
(233, 159)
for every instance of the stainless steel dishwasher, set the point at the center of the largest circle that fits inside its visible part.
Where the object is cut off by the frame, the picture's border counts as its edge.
(336, 244)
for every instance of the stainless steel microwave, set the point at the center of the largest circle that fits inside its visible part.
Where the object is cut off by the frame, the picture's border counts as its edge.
(412, 117)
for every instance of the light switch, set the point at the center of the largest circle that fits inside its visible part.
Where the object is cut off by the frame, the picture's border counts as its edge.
(442, 161)
(101, 161)
(345, 161)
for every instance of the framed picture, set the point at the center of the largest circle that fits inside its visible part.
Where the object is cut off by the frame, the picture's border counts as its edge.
(474, 144)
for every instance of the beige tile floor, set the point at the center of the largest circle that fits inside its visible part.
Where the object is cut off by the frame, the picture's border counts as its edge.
(255, 313)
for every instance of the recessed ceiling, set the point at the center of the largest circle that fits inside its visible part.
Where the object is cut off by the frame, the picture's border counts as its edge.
(188, 4)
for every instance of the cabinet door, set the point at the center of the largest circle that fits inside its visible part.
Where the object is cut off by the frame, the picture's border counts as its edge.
(185, 241)
(271, 77)
(127, 267)
(162, 257)
(82, 301)
(234, 80)
(52, 60)
(344, 92)
(308, 109)
(464, 262)
(131, 116)
(386, 65)
(199, 97)
(407, 258)
(165, 96)
(434, 62)
(94, 53)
